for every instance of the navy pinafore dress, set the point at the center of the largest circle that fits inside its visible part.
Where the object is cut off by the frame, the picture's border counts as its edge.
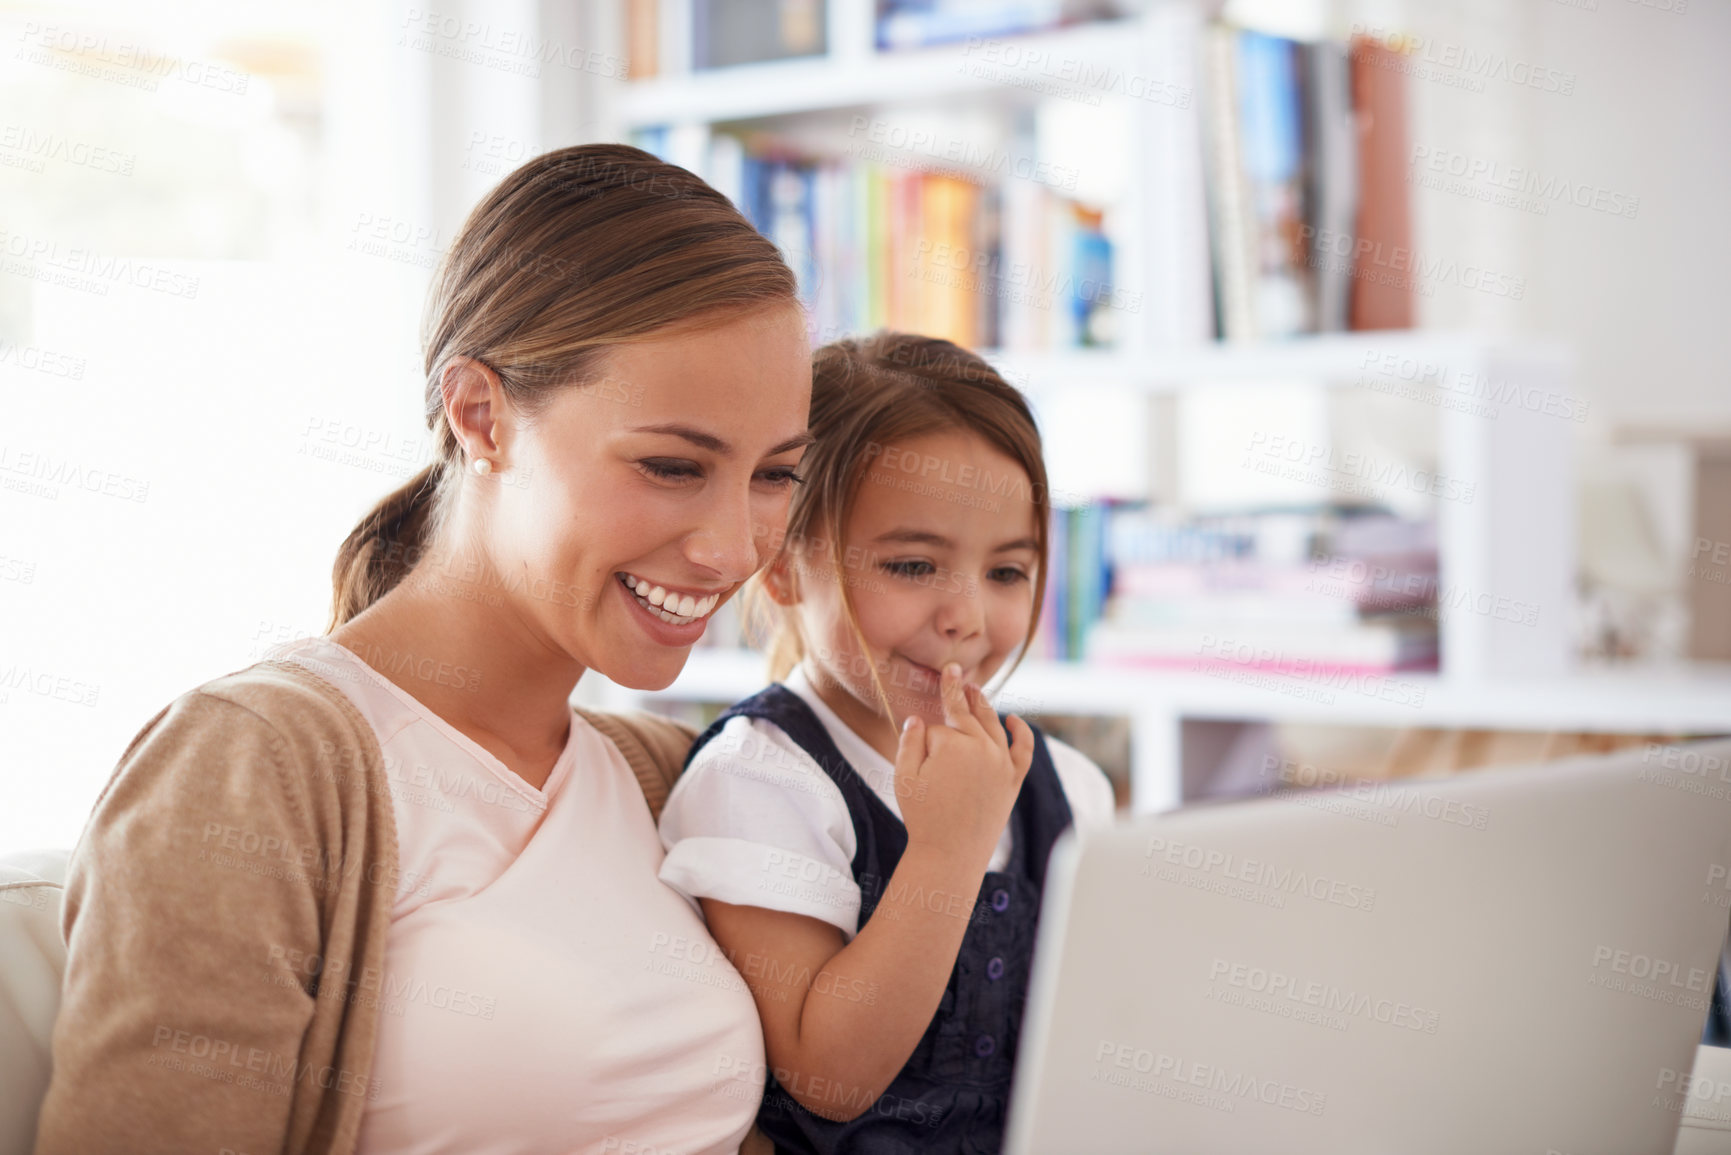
(953, 1093)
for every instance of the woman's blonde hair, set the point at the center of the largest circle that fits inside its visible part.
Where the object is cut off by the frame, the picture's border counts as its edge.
(578, 250)
(872, 393)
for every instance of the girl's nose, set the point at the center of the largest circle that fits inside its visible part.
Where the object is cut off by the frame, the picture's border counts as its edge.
(961, 616)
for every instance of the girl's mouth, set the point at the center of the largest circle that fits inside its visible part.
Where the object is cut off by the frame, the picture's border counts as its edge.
(674, 608)
(927, 678)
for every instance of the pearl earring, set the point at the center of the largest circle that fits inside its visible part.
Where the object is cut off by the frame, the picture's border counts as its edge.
(483, 466)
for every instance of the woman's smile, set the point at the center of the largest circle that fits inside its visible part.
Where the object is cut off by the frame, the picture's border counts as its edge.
(663, 628)
(675, 606)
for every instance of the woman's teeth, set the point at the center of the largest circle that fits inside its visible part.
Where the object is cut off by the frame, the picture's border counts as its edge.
(676, 609)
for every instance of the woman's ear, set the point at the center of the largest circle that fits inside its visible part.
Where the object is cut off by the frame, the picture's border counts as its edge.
(474, 402)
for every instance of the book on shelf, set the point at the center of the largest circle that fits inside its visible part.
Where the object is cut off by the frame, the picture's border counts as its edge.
(1077, 580)
(1304, 160)
(643, 38)
(1258, 164)
(917, 23)
(1330, 176)
(932, 251)
(1230, 225)
(1369, 646)
(1276, 590)
(725, 33)
(1384, 297)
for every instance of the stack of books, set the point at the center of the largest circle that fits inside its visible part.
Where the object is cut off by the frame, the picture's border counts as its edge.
(1281, 591)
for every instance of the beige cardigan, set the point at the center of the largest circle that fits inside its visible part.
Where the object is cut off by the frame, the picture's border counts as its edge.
(225, 917)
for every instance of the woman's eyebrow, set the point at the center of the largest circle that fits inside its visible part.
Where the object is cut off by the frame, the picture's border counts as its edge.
(715, 444)
(795, 442)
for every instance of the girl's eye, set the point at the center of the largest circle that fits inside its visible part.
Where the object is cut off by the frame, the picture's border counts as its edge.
(1007, 575)
(669, 469)
(782, 478)
(909, 568)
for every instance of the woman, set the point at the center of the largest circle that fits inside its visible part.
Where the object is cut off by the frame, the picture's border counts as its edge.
(384, 891)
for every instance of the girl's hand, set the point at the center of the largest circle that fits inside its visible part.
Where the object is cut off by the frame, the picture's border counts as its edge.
(957, 783)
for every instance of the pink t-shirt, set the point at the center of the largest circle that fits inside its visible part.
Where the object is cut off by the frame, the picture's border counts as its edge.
(543, 992)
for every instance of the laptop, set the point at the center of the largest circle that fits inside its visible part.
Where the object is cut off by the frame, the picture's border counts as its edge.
(1505, 961)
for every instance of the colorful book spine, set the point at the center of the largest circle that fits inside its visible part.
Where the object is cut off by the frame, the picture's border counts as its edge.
(1322, 589)
(1078, 579)
(918, 23)
(884, 246)
(1305, 173)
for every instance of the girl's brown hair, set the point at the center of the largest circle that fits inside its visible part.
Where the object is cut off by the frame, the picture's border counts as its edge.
(578, 250)
(873, 393)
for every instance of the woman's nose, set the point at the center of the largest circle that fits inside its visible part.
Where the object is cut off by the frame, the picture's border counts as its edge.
(729, 539)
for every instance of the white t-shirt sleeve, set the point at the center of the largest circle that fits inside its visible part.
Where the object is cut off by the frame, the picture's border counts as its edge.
(756, 822)
(1086, 786)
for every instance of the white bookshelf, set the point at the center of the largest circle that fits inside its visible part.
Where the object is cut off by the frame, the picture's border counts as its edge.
(856, 77)
(1686, 699)
(1515, 540)
(1325, 356)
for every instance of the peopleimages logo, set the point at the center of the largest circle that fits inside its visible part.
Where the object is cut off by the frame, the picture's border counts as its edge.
(1233, 1086)
(1682, 768)
(1321, 463)
(86, 53)
(88, 270)
(1054, 73)
(1326, 997)
(1423, 55)
(1336, 251)
(1641, 974)
(1489, 175)
(1471, 384)
(1256, 873)
(976, 159)
(1395, 797)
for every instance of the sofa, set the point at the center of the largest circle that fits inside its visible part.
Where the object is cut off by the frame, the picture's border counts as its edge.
(32, 957)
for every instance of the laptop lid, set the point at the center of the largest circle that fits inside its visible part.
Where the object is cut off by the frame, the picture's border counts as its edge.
(1506, 961)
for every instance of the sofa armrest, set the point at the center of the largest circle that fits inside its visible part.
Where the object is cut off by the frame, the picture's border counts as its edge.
(32, 959)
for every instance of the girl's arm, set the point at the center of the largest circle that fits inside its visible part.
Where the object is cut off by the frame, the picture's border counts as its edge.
(839, 1021)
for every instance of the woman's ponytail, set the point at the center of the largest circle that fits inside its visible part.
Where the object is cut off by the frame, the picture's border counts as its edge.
(384, 547)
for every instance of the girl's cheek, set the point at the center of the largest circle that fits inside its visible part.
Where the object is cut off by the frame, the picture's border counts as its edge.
(1009, 619)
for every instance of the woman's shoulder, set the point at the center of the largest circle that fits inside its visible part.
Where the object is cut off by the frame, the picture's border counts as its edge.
(272, 714)
(302, 708)
(233, 820)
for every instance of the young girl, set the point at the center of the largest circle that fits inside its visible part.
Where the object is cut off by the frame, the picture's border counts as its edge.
(867, 838)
